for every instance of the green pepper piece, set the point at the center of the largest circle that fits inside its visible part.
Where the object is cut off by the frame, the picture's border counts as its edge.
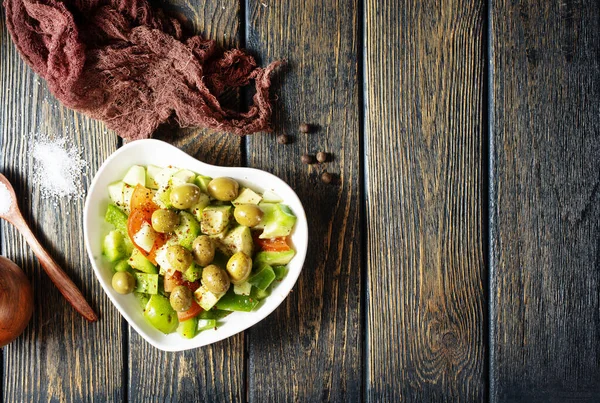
(263, 278)
(259, 294)
(213, 314)
(159, 314)
(187, 328)
(280, 272)
(239, 303)
(206, 324)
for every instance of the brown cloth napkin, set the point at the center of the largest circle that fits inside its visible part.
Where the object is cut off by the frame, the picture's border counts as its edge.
(130, 65)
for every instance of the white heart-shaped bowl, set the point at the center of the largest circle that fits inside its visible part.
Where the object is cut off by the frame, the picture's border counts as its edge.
(146, 152)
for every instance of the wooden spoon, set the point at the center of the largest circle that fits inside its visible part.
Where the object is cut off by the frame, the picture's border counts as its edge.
(64, 284)
(16, 301)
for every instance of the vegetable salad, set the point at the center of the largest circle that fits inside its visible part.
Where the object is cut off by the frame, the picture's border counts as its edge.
(193, 249)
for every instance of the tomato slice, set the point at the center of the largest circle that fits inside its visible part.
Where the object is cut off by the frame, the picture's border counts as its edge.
(141, 199)
(136, 219)
(194, 311)
(272, 245)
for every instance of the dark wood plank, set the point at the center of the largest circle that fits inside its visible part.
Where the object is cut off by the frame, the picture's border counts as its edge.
(546, 235)
(60, 356)
(216, 372)
(309, 349)
(423, 146)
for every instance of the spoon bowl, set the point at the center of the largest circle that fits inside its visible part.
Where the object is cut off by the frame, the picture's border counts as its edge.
(16, 301)
(64, 284)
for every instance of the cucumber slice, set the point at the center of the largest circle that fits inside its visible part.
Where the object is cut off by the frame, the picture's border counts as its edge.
(151, 173)
(162, 177)
(273, 258)
(113, 247)
(196, 210)
(162, 197)
(202, 182)
(115, 192)
(278, 221)
(239, 239)
(139, 262)
(117, 218)
(247, 196)
(188, 230)
(146, 283)
(271, 197)
(181, 177)
(135, 176)
(193, 273)
(122, 266)
(215, 219)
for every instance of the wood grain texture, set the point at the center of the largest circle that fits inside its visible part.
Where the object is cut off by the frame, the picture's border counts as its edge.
(309, 349)
(60, 356)
(423, 148)
(545, 310)
(216, 372)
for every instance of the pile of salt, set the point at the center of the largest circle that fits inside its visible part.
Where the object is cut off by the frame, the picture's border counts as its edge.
(5, 199)
(58, 168)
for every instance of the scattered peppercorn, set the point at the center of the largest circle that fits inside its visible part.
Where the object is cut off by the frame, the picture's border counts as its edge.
(321, 156)
(283, 139)
(326, 178)
(308, 159)
(304, 128)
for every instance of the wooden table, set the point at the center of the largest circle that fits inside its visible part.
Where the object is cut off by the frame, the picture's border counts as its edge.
(456, 256)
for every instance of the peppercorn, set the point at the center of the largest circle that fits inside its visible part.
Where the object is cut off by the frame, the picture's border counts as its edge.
(304, 128)
(326, 178)
(321, 156)
(308, 159)
(283, 139)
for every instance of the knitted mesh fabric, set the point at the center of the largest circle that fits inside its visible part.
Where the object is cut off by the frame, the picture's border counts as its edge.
(130, 65)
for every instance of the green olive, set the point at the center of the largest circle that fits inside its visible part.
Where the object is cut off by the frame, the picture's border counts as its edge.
(204, 250)
(165, 220)
(248, 214)
(123, 282)
(215, 279)
(239, 267)
(185, 196)
(181, 298)
(179, 257)
(224, 189)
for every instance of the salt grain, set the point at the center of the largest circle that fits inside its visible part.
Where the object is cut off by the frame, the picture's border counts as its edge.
(58, 168)
(5, 199)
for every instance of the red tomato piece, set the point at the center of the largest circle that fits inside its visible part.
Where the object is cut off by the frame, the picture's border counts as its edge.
(273, 244)
(194, 311)
(141, 199)
(136, 219)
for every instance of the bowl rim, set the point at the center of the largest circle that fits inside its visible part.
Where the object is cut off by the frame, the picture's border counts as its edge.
(300, 244)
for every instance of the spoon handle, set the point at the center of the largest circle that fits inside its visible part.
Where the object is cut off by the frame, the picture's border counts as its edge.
(64, 284)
